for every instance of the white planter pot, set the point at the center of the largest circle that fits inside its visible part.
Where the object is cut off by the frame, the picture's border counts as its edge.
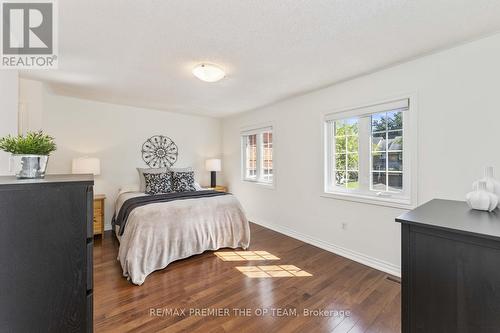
(481, 199)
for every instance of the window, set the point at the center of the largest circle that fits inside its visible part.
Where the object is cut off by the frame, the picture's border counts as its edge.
(257, 155)
(346, 167)
(368, 153)
(387, 152)
(267, 156)
(251, 156)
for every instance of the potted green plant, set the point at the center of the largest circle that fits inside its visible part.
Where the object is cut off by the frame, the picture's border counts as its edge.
(30, 153)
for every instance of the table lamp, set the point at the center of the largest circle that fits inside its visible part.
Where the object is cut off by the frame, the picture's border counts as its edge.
(86, 165)
(213, 165)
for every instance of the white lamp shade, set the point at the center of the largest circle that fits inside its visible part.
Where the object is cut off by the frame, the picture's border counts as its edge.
(213, 165)
(86, 165)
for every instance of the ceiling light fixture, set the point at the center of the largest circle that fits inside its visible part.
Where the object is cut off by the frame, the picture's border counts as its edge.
(208, 72)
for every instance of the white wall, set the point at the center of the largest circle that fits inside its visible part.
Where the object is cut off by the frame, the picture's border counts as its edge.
(115, 134)
(30, 105)
(8, 111)
(458, 130)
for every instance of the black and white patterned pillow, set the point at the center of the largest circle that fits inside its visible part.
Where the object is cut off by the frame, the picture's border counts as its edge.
(142, 171)
(157, 183)
(183, 181)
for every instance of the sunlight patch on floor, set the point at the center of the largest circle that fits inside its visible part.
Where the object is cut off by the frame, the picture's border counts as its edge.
(245, 255)
(272, 271)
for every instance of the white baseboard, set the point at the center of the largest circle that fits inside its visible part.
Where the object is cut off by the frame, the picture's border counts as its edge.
(353, 255)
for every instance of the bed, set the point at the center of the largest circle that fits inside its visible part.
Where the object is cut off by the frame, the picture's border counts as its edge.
(155, 230)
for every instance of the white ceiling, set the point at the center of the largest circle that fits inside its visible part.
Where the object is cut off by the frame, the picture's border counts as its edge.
(141, 52)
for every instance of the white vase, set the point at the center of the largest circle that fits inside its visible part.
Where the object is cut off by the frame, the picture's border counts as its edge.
(481, 199)
(492, 185)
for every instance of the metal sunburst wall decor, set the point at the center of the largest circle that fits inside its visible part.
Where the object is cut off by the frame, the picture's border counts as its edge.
(159, 152)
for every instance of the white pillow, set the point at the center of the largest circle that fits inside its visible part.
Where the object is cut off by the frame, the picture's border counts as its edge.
(128, 188)
(188, 169)
(142, 181)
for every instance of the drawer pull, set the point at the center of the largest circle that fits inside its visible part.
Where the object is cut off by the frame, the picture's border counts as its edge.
(90, 259)
(90, 213)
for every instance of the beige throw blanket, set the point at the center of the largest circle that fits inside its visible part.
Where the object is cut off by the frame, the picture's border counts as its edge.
(160, 233)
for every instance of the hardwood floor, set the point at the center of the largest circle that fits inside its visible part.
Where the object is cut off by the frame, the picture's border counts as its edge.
(207, 282)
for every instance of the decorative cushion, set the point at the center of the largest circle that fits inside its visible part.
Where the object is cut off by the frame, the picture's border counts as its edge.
(142, 183)
(157, 183)
(183, 181)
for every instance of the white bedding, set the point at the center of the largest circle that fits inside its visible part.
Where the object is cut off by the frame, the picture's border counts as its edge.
(160, 233)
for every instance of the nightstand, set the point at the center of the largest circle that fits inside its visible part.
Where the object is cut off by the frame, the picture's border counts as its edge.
(218, 188)
(99, 214)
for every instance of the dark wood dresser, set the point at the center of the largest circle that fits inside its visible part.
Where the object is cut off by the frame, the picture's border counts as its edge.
(450, 269)
(46, 254)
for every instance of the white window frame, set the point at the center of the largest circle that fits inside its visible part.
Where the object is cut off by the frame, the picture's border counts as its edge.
(258, 131)
(406, 199)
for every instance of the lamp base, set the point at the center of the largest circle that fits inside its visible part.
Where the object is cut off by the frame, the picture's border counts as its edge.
(213, 179)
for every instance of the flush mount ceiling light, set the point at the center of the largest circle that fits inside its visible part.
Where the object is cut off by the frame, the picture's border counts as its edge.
(208, 72)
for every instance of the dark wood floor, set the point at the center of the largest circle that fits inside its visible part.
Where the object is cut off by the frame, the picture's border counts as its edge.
(207, 282)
